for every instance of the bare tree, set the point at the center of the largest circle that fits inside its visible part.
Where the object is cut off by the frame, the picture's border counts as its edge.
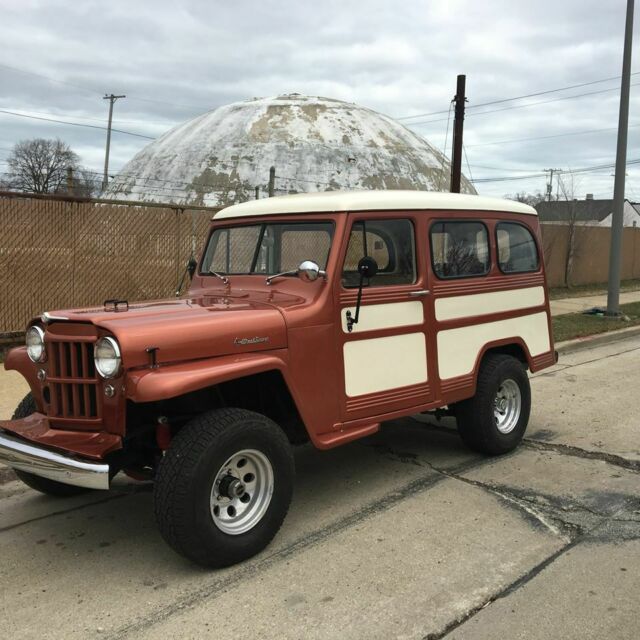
(531, 199)
(567, 186)
(86, 184)
(40, 165)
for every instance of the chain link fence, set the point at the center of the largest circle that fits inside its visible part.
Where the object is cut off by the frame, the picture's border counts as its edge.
(58, 253)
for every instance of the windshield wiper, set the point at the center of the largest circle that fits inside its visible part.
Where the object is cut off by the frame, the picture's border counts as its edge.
(219, 275)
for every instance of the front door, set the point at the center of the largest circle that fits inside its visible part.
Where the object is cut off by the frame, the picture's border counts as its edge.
(384, 356)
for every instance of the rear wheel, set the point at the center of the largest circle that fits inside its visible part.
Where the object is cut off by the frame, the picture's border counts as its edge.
(224, 486)
(49, 487)
(495, 419)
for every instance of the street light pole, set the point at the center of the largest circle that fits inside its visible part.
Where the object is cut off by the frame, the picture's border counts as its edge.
(617, 221)
(105, 179)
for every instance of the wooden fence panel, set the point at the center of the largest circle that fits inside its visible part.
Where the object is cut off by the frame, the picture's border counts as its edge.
(57, 253)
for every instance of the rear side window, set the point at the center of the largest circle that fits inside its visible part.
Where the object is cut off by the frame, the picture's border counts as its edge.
(390, 243)
(517, 250)
(460, 249)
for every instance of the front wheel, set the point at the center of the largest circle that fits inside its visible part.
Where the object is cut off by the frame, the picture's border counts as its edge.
(224, 486)
(495, 419)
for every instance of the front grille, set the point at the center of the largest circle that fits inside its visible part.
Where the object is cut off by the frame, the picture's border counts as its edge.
(72, 378)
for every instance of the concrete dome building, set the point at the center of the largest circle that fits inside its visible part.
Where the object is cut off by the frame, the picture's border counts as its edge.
(315, 144)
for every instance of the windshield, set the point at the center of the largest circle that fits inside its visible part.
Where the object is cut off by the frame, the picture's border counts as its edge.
(268, 248)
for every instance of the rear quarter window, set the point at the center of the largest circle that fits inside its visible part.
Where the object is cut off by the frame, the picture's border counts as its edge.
(460, 249)
(517, 249)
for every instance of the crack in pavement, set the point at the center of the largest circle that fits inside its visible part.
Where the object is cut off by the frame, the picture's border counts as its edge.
(135, 490)
(533, 512)
(582, 537)
(577, 452)
(217, 587)
(540, 515)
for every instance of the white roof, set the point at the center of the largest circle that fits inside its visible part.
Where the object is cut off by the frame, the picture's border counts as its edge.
(334, 201)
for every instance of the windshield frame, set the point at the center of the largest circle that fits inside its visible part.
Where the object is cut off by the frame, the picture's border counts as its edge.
(262, 223)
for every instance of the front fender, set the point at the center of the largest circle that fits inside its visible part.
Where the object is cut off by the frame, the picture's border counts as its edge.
(18, 360)
(170, 381)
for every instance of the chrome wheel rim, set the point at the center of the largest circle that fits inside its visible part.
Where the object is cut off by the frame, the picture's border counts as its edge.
(507, 405)
(241, 492)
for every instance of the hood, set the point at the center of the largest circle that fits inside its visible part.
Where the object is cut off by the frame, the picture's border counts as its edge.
(190, 328)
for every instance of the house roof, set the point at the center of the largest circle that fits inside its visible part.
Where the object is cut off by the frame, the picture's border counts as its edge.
(578, 210)
(336, 201)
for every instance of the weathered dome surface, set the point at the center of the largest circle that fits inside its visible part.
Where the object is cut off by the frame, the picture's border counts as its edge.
(315, 144)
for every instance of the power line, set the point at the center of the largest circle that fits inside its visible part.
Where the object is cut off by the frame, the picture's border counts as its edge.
(591, 169)
(557, 135)
(524, 106)
(528, 95)
(74, 124)
(169, 123)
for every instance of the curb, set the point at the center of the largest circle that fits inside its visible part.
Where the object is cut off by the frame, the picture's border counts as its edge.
(588, 342)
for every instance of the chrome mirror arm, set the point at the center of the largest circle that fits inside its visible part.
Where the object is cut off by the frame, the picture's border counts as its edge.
(308, 271)
(279, 275)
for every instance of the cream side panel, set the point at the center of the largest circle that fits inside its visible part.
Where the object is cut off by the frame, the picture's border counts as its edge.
(385, 316)
(458, 349)
(380, 364)
(482, 303)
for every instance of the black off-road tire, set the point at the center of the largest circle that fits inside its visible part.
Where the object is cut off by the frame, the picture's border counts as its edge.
(477, 423)
(49, 487)
(186, 475)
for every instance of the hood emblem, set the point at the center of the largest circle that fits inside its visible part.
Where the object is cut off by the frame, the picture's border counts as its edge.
(256, 340)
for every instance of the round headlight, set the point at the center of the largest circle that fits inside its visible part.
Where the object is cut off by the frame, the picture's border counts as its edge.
(107, 357)
(35, 344)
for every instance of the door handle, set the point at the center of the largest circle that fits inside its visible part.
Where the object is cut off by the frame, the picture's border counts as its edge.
(419, 294)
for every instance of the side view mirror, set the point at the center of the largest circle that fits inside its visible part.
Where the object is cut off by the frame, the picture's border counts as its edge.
(367, 268)
(191, 267)
(309, 271)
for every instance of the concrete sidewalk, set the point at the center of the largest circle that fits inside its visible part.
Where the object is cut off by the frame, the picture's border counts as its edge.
(578, 304)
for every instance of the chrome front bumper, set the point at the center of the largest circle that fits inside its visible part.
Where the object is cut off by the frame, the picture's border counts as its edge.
(41, 462)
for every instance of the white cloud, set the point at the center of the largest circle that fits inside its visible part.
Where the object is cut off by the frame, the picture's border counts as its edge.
(176, 60)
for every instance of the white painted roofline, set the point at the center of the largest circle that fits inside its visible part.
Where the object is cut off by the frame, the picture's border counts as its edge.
(334, 201)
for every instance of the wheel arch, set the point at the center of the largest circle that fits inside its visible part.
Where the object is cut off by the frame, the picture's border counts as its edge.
(513, 346)
(256, 383)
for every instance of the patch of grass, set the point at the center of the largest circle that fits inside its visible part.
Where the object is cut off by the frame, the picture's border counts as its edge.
(555, 293)
(577, 325)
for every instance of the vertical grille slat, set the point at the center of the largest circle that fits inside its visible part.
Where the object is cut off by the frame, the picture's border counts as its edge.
(76, 398)
(84, 351)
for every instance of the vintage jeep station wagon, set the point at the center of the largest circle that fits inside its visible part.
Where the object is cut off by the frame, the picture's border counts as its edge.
(309, 317)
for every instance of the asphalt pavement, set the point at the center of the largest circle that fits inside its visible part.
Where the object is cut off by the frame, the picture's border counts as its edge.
(405, 534)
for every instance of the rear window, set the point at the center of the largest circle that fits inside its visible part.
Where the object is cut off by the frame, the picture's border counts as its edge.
(517, 250)
(459, 249)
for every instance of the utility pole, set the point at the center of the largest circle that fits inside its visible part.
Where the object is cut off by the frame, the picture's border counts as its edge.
(617, 219)
(550, 183)
(257, 193)
(272, 181)
(111, 98)
(458, 125)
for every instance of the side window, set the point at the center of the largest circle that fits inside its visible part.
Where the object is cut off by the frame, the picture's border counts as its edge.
(391, 243)
(517, 250)
(460, 249)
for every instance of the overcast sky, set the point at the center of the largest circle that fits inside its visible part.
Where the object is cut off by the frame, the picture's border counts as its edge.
(175, 60)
